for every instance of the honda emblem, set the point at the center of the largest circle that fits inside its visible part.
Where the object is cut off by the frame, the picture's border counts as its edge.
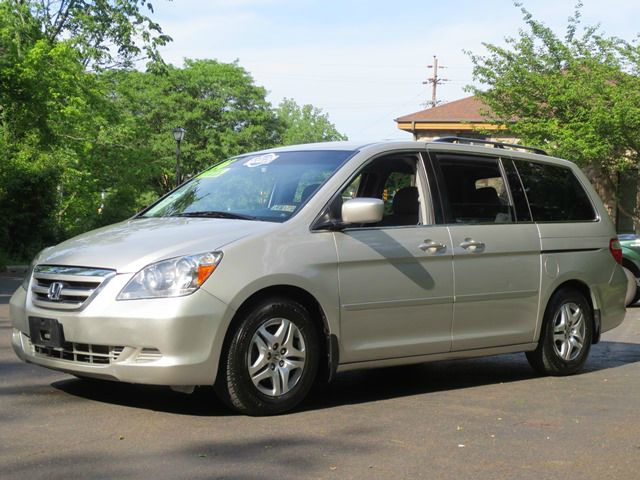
(55, 289)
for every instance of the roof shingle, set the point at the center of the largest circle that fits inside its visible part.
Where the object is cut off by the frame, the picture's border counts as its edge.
(467, 109)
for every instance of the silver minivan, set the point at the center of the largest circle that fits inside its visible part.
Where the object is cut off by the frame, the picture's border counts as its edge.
(273, 270)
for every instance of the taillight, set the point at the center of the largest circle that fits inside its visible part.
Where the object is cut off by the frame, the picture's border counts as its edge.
(616, 250)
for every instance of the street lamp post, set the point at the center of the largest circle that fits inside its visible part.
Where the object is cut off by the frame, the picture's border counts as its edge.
(178, 135)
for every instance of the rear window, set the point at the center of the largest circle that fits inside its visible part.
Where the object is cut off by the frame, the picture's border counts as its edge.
(554, 193)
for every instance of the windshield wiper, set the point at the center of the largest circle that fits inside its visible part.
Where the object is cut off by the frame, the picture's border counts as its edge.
(214, 214)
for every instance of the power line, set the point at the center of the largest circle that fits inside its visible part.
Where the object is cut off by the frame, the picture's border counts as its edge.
(386, 117)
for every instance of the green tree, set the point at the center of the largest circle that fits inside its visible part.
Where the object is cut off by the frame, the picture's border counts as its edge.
(578, 96)
(40, 101)
(106, 33)
(306, 124)
(222, 110)
(58, 128)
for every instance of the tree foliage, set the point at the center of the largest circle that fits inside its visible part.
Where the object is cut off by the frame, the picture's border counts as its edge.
(49, 106)
(105, 33)
(577, 95)
(306, 124)
(223, 111)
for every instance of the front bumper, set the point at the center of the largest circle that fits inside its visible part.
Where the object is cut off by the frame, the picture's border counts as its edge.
(164, 341)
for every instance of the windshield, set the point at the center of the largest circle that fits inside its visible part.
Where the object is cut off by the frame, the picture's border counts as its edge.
(269, 186)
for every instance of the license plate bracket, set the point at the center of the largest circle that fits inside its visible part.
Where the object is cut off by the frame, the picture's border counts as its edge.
(46, 332)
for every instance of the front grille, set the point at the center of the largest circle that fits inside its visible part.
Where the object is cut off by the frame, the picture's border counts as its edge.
(66, 288)
(81, 352)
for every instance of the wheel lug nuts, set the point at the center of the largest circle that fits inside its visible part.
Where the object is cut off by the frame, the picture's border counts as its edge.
(268, 355)
(273, 367)
(281, 363)
(275, 346)
(283, 351)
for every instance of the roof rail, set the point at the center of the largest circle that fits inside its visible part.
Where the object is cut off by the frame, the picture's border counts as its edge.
(470, 141)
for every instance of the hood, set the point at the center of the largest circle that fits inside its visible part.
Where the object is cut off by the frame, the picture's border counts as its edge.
(128, 246)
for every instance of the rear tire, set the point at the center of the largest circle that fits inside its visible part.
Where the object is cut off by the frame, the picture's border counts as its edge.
(272, 359)
(566, 336)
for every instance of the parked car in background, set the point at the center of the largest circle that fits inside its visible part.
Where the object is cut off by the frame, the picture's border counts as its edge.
(272, 270)
(630, 243)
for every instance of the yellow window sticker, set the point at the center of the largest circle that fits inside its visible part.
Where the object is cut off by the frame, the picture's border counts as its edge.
(216, 171)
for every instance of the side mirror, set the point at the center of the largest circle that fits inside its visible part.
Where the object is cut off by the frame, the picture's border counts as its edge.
(362, 210)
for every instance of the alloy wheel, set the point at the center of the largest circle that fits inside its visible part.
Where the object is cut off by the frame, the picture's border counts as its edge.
(276, 357)
(568, 331)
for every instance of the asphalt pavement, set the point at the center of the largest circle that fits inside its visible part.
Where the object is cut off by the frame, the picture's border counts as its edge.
(490, 418)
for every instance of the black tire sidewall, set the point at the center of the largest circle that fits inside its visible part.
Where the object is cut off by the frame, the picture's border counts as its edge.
(243, 394)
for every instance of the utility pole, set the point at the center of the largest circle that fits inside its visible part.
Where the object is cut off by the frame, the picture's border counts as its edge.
(434, 80)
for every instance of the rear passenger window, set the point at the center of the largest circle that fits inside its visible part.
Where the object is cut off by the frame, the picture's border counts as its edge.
(475, 189)
(554, 193)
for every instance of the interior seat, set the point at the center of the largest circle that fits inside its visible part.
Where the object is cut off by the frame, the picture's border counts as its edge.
(405, 208)
(308, 191)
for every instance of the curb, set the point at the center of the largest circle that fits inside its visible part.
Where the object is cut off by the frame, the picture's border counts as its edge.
(16, 268)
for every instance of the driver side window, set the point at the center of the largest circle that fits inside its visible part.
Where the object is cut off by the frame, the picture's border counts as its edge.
(394, 179)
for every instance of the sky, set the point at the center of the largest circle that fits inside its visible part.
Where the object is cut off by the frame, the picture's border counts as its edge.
(363, 62)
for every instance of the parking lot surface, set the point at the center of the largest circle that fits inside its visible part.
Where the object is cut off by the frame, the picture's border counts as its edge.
(490, 418)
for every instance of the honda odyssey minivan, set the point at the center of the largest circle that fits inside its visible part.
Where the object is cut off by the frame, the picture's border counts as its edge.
(272, 270)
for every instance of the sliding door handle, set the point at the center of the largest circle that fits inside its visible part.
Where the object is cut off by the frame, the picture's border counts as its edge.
(431, 247)
(471, 245)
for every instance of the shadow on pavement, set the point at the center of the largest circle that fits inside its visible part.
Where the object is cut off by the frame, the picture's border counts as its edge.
(354, 387)
(266, 455)
(202, 402)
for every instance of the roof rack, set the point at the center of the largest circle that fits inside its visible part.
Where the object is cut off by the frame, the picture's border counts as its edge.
(470, 141)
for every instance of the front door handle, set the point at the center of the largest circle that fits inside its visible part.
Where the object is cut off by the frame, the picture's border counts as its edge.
(472, 246)
(431, 247)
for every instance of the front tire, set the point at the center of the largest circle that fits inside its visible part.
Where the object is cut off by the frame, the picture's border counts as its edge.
(566, 336)
(272, 359)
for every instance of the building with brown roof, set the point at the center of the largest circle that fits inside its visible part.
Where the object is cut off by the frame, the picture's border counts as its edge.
(467, 117)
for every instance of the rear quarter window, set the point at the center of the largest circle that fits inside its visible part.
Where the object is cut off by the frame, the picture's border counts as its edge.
(554, 193)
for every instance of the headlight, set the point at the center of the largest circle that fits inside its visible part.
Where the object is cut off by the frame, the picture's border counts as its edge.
(175, 277)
